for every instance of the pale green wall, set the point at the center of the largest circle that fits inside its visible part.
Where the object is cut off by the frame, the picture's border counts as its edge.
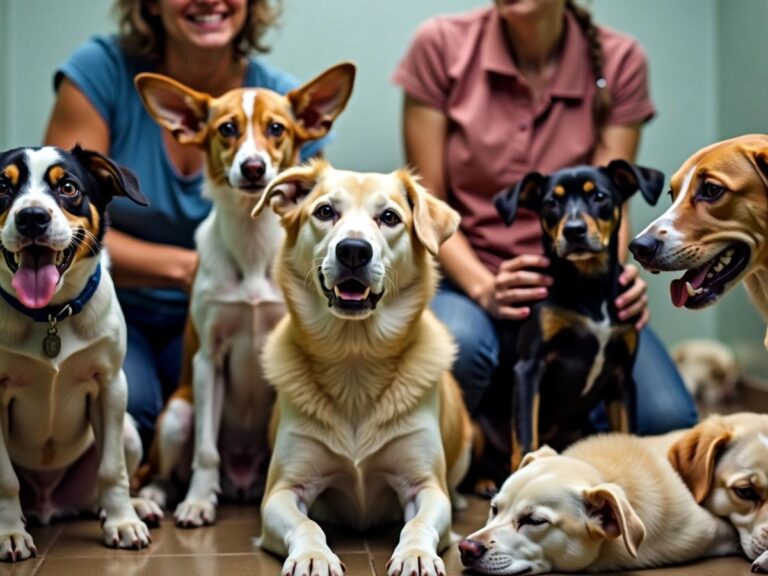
(682, 39)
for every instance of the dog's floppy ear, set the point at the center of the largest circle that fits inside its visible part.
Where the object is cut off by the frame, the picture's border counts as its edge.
(629, 178)
(289, 188)
(174, 106)
(114, 180)
(525, 194)
(694, 455)
(317, 103)
(610, 515)
(543, 452)
(433, 220)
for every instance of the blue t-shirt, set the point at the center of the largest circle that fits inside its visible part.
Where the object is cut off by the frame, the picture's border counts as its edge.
(102, 71)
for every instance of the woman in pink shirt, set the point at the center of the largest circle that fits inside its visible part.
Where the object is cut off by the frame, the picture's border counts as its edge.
(490, 95)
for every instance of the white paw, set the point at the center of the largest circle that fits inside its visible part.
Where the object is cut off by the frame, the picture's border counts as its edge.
(761, 563)
(318, 561)
(195, 513)
(407, 561)
(156, 493)
(125, 532)
(148, 510)
(16, 544)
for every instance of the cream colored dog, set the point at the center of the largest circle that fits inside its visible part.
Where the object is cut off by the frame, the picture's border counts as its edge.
(370, 426)
(608, 502)
(724, 461)
(709, 369)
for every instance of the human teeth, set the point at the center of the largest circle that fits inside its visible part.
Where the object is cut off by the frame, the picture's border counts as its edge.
(365, 294)
(693, 291)
(207, 18)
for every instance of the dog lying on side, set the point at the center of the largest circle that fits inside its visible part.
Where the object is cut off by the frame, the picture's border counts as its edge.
(249, 136)
(715, 229)
(370, 425)
(724, 462)
(573, 351)
(609, 502)
(62, 341)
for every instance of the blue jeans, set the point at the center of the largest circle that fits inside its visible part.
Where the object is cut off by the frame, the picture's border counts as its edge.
(663, 402)
(152, 365)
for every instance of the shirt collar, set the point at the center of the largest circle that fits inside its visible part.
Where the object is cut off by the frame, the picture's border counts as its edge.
(574, 73)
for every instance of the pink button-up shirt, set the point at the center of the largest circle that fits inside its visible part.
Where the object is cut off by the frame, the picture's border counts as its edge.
(461, 65)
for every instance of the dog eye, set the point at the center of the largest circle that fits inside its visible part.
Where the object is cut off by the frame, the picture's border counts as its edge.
(494, 509)
(275, 129)
(5, 189)
(746, 493)
(531, 521)
(324, 212)
(600, 196)
(228, 130)
(68, 188)
(711, 191)
(389, 218)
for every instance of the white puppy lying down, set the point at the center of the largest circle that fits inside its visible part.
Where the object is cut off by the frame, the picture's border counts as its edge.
(609, 502)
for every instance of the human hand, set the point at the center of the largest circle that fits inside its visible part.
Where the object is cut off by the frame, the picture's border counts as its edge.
(515, 284)
(633, 301)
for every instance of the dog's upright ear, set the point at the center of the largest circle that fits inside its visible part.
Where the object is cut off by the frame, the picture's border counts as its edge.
(526, 194)
(183, 111)
(289, 188)
(543, 452)
(433, 220)
(317, 103)
(610, 515)
(113, 180)
(629, 178)
(694, 455)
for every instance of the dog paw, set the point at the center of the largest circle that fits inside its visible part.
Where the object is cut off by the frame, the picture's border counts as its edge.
(760, 565)
(317, 562)
(148, 510)
(127, 532)
(16, 545)
(155, 493)
(415, 561)
(195, 513)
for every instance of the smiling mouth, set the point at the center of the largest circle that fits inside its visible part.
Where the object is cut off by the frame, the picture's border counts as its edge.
(207, 18)
(701, 286)
(350, 295)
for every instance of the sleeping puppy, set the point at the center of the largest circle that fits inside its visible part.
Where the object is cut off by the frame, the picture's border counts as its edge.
(370, 426)
(609, 502)
(724, 462)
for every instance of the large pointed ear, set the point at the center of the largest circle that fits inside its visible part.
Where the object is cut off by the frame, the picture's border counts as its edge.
(760, 158)
(174, 106)
(317, 103)
(543, 452)
(289, 188)
(610, 515)
(433, 220)
(629, 178)
(114, 180)
(525, 194)
(694, 455)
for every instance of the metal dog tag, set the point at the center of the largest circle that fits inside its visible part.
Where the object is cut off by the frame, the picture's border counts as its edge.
(52, 341)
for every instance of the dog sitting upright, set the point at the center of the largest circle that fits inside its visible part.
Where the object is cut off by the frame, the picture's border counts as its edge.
(63, 392)
(249, 136)
(572, 351)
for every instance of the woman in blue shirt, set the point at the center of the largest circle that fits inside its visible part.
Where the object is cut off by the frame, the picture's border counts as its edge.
(204, 44)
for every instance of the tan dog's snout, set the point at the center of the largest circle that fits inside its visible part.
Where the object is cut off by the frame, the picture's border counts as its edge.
(353, 253)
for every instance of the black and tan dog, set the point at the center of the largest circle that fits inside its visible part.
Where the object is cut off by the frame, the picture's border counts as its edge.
(572, 351)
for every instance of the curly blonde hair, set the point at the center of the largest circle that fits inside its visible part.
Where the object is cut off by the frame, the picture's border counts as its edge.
(142, 33)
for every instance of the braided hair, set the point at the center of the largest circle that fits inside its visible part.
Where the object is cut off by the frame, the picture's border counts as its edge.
(602, 102)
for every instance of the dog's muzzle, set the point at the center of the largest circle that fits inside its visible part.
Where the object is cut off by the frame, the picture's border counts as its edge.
(351, 293)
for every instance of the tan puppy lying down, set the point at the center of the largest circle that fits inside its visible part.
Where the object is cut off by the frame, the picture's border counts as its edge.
(371, 426)
(608, 502)
(724, 461)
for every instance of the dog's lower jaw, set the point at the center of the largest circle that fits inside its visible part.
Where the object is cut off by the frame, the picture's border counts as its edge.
(346, 308)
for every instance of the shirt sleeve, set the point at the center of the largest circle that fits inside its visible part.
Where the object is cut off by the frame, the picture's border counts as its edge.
(423, 72)
(630, 91)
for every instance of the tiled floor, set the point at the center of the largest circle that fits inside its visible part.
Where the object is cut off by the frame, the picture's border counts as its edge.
(226, 549)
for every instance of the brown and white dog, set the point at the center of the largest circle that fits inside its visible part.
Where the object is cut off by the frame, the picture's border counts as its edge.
(370, 426)
(724, 462)
(609, 502)
(63, 392)
(249, 135)
(716, 228)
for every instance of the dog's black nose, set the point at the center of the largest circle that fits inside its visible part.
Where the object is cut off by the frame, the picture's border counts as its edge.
(253, 169)
(470, 550)
(32, 222)
(354, 253)
(575, 230)
(645, 247)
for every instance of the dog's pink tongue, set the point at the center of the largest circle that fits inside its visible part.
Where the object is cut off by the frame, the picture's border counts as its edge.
(35, 280)
(678, 290)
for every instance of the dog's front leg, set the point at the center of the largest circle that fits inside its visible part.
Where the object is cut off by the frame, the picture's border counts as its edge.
(288, 531)
(15, 541)
(525, 409)
(199, 506)
(427, 530)
(121, 525)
